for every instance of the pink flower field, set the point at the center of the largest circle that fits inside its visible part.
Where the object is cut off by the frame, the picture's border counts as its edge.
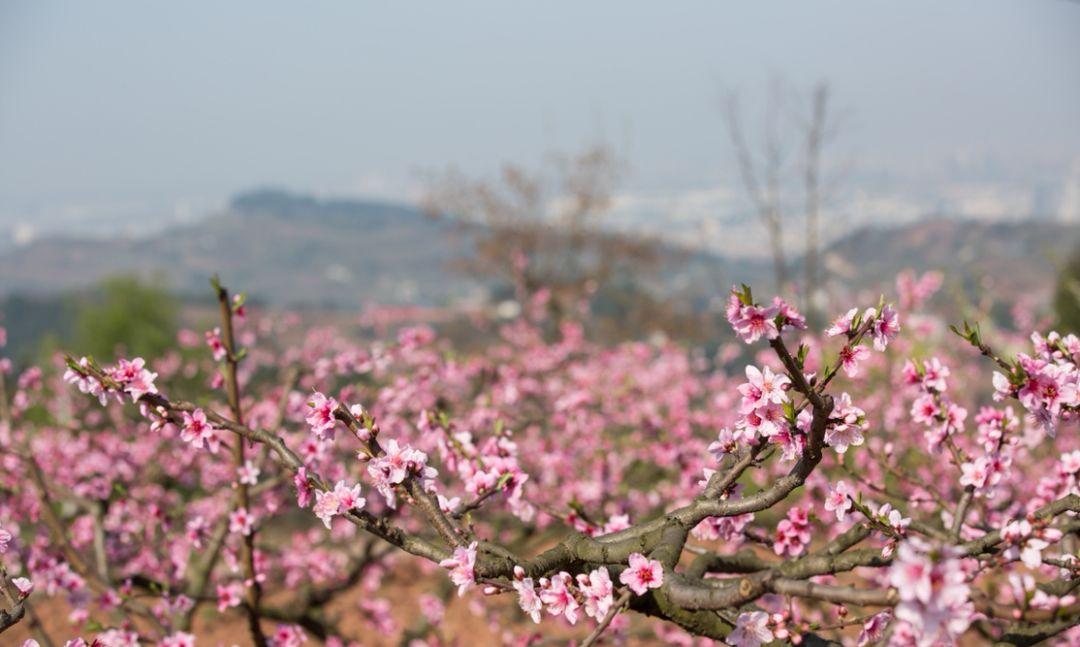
(883, 479)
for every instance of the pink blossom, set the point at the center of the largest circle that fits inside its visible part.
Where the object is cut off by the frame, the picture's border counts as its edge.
(321, 417)
(528, 599)
(1014, 531)
(341, 500)
(1069, 464)
(846, 425)
(461, 565)
(616, 523)
(763, 387)
(197, 431)
(753, 322)
(377, 612)
(933, 593)
(247, 474)
(178, 639)
(230, 595)
(1027, 542)
(303, 487)
(357, 411)
(792, 533)
(5, 539)
(839, 500)
(217, 346)
(934, 375)
(915, 291)
(955, 415)
(751, 630)
(643, 574)
(792, 441)
(558, 597)
(766, 420)
(197, 528)
(85, 383)
(134, 378)
(842, 325)
(348, 497)
(1002, 387)
(238, 308)
(893, 518)
(884, 328)
(326, 506)
(910, 374)
(24, 585)
(287, 636)
(729, 529)
(850, 356)
(598, 591)
(399, 461)
(873, 629)
(117, 638)
(977, 473)
(925, 409)
(448, 505)
(724, 444)
(789, 316)
(433, 609)
(241, 521)
(1048, 390)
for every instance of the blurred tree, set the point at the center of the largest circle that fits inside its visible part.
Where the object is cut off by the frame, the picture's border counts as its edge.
(35, 324)
(1067, 295)
(126, 316)
(789, 125)
(542, 236)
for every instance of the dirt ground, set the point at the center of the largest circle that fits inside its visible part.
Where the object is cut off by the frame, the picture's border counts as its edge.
(212, 629)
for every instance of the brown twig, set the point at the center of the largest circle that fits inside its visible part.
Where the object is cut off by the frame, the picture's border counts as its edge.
(253, 590)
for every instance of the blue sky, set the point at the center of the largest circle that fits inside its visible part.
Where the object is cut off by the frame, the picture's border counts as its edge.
(155, 103)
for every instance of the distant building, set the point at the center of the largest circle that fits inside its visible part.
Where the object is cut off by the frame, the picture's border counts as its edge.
(1069, 210)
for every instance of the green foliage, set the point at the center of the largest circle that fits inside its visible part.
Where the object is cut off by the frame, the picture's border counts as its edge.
(1067, 296)
(126, 316)
(36, 325)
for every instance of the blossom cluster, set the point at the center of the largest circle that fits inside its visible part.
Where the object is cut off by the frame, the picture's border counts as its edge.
(935, 603)
(753, 321)
(1046, 383)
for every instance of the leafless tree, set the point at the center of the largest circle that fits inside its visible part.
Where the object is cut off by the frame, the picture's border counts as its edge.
(786, 127)
(761, 179)
(817, 130)
(542, 231)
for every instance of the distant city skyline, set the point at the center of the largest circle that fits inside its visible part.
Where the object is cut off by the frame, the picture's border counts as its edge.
(121, 116)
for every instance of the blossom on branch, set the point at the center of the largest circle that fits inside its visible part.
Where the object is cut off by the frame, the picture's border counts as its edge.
(200, 433)
(461, 565)
(642, 574)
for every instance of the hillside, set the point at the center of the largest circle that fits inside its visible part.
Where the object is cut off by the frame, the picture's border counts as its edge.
(296, 250)
(1008, 260)
(286, 249)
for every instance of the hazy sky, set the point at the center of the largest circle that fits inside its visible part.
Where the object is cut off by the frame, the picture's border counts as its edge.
(126, 104)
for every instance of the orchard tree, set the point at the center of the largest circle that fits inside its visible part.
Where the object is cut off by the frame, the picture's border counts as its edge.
(862, 486)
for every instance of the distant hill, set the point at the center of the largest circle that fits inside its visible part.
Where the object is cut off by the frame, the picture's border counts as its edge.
(289, 249)
(284, 248)
(1007, 259)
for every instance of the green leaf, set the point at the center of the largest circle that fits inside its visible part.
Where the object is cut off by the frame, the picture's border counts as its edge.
(746, 296)
(804, 350)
